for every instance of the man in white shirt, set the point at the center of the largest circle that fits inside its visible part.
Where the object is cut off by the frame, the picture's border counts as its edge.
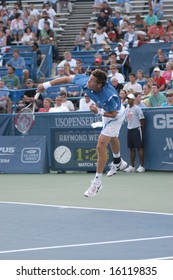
(58, 107)
(85, 103)
(45, 17)
(132, 84)
(114, 73)
(51, 12)
(67, 58)
(33, 12)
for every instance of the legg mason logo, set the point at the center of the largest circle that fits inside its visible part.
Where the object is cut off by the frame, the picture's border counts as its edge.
(169, 147)
(31, 155)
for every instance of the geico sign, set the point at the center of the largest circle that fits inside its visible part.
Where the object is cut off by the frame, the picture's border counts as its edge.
(161, 121)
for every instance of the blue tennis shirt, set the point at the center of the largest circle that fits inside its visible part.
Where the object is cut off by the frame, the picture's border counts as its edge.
(107, 98)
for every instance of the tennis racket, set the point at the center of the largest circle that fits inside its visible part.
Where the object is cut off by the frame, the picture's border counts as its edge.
(25, 118)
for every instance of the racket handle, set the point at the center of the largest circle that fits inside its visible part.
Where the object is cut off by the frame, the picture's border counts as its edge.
(37, 95)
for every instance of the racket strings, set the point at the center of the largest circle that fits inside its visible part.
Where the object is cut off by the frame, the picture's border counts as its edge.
(24, 120)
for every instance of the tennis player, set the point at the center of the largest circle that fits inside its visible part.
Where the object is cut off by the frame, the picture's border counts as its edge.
(108, 105)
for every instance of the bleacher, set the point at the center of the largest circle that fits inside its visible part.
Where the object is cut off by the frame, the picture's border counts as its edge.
(45, 70)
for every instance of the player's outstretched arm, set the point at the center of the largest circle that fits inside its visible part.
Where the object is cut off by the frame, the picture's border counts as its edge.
(55, 82)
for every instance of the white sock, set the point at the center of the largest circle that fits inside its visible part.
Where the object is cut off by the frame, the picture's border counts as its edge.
(98, 178)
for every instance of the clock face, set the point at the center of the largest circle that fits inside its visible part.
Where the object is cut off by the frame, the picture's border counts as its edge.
(62, 154)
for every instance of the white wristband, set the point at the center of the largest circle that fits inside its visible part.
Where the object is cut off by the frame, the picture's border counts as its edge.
(100, 112)
(46, 85)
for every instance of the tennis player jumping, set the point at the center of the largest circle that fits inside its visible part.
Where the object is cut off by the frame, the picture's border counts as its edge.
(108, 105)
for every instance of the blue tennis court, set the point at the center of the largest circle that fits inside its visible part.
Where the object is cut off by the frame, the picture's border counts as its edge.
(51, 232)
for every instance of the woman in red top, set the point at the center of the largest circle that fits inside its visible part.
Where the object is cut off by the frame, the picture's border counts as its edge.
(46, 105)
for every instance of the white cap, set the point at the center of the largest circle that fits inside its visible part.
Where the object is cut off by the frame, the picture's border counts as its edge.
(131, 96)
(157, 69)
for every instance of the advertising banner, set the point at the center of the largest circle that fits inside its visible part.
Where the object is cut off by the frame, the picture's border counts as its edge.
(23, 154)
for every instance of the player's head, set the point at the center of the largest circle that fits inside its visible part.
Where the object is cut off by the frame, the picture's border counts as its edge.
(100, 76)
(97, 80)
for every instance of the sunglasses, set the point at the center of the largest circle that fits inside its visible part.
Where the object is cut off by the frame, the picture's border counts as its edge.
(169, 95)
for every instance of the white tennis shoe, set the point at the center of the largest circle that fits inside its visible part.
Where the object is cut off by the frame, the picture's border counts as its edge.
(140, 169)
(115, 167)
(93, 189)
(129, 169)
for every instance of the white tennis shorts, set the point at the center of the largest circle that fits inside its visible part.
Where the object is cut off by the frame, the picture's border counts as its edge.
(112, 126)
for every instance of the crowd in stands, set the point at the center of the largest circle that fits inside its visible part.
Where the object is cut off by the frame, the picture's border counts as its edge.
(113, 32)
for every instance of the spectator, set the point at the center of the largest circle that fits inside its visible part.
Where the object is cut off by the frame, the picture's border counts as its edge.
(112, 60)
(29, 95)
(28, 37)
(116, 84)
(114, 73)
(112, 31)
(61, 72)
(67, 69)
(98, 64)
(150, 19)
(124, 27)
(98, 4)
(123, 96)
(158, 79)
(85, 103)
(106, 7)
(33, 11)
(169, 31)
(3, 39)
(156, 59)
(51, 12)
(36, 49)
(47, 36)
(46, 105)
(100, 36)
(68, 58)
(130, 38)
(157, 6)
(26, 16)
(63, 3)
(167, 74)
(156, 32)
(81, 38)
(132, 84)
(59, 107)
(123, 57)
(80, 66)
(124, 6)
(135, 127)
(5, 102)
(169, 97)
(103, 45)
(140, 24)
(11, 80)
(87, 46)
(32, 23)
(138, 100)
(102, 19)
(157, 98)
(18, 62)
(116, 20)
(3, 16)
(105, 54)
(17, 27)
(140, 77)
(66, 103)
(146, 93)
(45, 17)
(170, 54)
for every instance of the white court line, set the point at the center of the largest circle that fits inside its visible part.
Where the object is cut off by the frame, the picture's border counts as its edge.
(85, 208)
(86, 244)
(164, 258)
